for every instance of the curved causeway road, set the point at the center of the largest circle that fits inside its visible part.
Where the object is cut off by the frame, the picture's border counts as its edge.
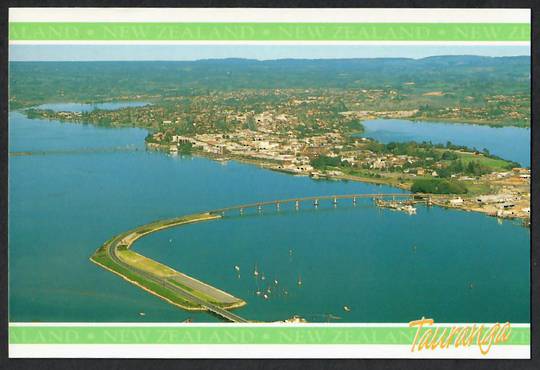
(149, 273)
(113, 254)
(180, 289)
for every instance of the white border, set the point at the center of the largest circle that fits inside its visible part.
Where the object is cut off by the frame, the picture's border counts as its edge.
(258, 351)
(357, 15)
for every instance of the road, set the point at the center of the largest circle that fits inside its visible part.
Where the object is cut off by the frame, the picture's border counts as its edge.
(126, 241)
(112, 253)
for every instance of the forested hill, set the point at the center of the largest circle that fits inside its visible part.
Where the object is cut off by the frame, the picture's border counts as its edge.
(35, 82)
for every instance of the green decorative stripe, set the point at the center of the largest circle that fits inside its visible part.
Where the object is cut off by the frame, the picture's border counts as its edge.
(272, 31)
(225, 335)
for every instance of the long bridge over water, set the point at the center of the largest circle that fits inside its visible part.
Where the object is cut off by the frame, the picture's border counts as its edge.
(111, 248)
(316, 200)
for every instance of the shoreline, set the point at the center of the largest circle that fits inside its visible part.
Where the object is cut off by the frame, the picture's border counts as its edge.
(187, 308)
(202, 299)
(164, 148)
(344, 177)
(421, 119)
(456, 121)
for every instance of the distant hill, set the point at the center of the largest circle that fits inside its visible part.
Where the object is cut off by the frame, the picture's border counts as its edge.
(76, 81)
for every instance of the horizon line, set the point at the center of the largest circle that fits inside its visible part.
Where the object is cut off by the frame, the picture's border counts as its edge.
(276, 59)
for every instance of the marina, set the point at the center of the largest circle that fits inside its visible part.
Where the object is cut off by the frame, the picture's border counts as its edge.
(404, 206)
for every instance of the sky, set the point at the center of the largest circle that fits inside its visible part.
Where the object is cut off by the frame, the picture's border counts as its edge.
(260, 52)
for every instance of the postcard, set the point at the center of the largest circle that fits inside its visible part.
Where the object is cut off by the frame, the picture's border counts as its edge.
(269, 183)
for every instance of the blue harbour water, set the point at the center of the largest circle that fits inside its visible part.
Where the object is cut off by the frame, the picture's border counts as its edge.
(386, 266)
(81, 107)
(512, 143)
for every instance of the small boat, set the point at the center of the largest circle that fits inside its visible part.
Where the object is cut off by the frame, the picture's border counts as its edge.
(275, 282)
(409, 209)
(268, 290)
(237, 268)
(299, 280)
(258, 292)
(347, 308)
(265, 296)
(142, 314)
(295, 319)
(262, 277)
(398, 206)
(255, 272)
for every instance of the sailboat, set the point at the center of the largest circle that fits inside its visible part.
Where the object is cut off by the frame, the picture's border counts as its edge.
(299, 280)
(255, 272)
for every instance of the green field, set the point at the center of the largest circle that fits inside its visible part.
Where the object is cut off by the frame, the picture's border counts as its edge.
(104, 260)
(121, 244)
(493, 163)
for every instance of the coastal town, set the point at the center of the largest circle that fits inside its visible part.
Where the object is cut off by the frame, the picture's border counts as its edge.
(308, 133)
(504, 194)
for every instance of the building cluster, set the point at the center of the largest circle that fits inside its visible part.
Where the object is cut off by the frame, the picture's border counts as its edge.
(286, 151)
(511, 198)
(290, 129)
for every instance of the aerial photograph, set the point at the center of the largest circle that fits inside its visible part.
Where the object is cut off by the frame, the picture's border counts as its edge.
(269, 183)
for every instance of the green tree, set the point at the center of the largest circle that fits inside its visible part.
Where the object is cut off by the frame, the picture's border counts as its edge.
(438, 186)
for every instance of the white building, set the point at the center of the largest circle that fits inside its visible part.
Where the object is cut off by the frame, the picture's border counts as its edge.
(456, 202)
